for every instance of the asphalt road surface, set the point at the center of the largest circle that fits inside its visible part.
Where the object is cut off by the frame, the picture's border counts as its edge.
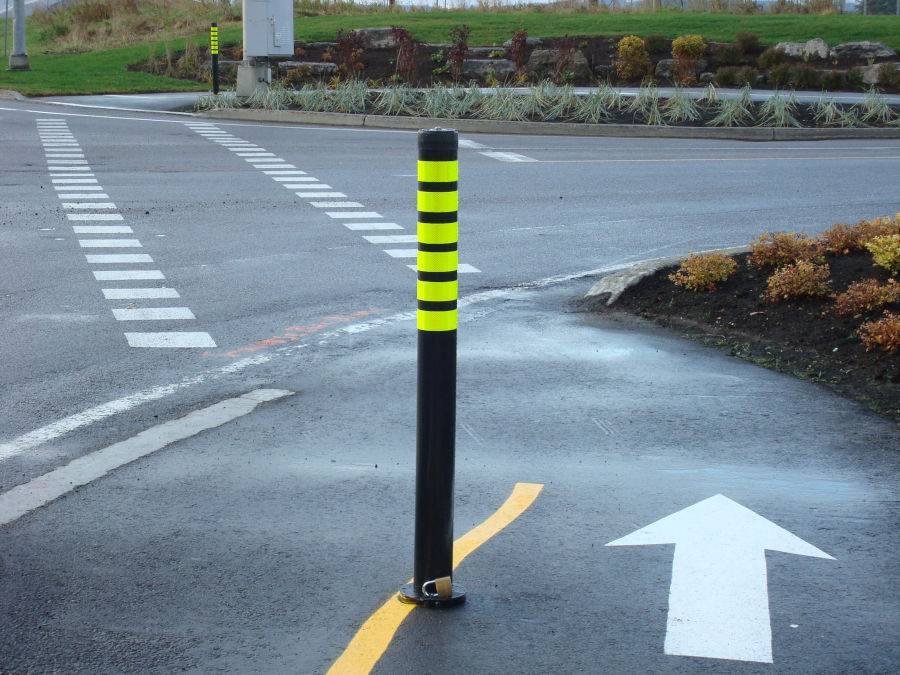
(243, 501)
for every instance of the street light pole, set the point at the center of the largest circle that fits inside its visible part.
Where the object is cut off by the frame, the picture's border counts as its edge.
(18, 60)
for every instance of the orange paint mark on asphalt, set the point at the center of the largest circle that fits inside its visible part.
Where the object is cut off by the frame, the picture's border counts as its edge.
(295, 333)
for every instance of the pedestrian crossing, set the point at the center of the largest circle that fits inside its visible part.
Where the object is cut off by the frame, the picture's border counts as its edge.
(351, 214)
(72, 179)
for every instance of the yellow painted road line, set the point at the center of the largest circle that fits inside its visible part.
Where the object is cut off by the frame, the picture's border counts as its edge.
(375, 635)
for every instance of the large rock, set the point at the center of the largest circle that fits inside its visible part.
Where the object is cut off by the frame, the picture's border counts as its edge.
(377, 38)
(542, 62)
(862, 52)
(811, 50)
(478, 69)
(310, 68)
(872, 74)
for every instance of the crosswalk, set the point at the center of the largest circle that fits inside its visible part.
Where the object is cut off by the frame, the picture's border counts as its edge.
(351, 214)
(81, 193)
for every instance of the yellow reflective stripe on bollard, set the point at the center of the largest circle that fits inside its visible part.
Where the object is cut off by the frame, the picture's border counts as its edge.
(437, 261)
(438, 172)
(438, 233)
(436, 321)
(438, 202)
(437, 291)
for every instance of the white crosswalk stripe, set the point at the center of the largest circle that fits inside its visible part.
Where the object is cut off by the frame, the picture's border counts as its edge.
(309, 187)
(72, 178)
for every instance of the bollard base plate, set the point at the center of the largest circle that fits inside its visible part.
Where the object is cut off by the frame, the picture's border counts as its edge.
(409, 596)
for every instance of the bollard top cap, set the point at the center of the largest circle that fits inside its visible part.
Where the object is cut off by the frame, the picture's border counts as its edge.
(438, 145)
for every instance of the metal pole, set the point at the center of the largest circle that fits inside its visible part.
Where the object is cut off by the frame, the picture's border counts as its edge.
(18, 60)
(214, 53)
(6, 31)
(436, 320)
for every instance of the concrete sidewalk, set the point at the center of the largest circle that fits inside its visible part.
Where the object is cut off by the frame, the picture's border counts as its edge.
(265, 544)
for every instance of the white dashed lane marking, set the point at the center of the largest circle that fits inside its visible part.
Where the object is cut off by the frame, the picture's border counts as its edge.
(118, 258)
(139, 293)
(309, 188)
(128, 275)
(153, 313)
(72, 179)
(507, 156)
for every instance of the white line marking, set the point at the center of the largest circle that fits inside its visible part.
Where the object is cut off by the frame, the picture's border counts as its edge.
(391, 238)
(139, 293)
(82, 195)
(322, 195)
(171, 340)
(84, 181)
(93, 216)
(464, 143)
(312, 185)
(70, 171)
(102, 229)
(53, 162)
(65, 155)
(372, 226)
(337, 205)
(260, 158)
(507, 156)
(105, 258)
(288, 179)
(54, 484)
(129, 275)
(105, 410)
(251, 149)
(153, 313)
(353, 214)
(255, 155)
(295, 172)
(109, 243)
(402, 252)
(282, 165)
(78, 187)
(88, 205)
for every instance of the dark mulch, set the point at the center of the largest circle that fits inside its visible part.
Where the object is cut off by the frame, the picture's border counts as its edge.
(801, 338)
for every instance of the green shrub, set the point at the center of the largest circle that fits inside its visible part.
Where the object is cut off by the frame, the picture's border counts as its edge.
(747, 43)
(726, 77)
(703, 272)
(632, 60)
(885, 252)
(806, 77)
(803, 279)
(779, 76)
(888, 76)
(731, 76)
(657, 44)
(771, 57)
(728, 55)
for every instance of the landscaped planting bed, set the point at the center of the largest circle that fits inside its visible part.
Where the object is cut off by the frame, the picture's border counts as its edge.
(551, 103)
(825, 309)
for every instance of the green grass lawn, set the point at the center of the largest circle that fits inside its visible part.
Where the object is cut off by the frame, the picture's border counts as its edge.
(106, 71)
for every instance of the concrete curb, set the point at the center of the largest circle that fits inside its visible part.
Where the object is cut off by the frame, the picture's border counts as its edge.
(611, 286)
(550, 128)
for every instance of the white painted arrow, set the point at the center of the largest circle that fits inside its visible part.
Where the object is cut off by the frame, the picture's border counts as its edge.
(719, 597)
